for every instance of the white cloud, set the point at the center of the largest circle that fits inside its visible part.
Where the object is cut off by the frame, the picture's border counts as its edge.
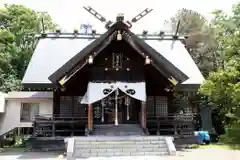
(70, 13)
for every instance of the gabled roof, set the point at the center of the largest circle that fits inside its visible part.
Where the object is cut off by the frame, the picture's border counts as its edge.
(159, 61)
(53, 57)
(177, 54)
(89, 49)
(49, 55)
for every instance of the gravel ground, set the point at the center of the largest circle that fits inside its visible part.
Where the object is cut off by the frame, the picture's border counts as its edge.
(194, 154)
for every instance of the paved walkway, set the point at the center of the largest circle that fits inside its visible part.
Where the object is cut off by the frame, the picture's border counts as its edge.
(194, 154)
(19, 154)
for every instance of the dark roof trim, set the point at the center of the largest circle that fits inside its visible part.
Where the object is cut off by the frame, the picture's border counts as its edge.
(82, 54)
(97, 35)
(37, 85)
(187, 87)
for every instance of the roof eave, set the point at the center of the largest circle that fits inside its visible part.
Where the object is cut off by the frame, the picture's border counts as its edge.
(38, 85)
(78, 57)
(82, 54)
(161, 61)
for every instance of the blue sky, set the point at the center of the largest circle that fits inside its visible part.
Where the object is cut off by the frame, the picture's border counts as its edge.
(69, 14)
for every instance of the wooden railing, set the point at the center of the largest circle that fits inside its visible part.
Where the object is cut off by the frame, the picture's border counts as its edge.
(56, 118)
(178, 125)
(49, 125)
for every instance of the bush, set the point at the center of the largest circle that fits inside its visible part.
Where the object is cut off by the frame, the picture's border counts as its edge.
(232, 135)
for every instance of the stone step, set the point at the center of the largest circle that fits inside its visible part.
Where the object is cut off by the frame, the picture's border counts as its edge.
(82, 143)
(120, 146)
(120, 130)
(123, 147)
(149, 149)
(119, 138)
(109, 154)
(104, 146)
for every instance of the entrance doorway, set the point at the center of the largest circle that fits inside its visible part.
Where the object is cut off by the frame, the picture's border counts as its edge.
(127, 110)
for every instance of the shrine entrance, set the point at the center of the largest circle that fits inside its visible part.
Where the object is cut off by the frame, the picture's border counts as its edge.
(126, 109)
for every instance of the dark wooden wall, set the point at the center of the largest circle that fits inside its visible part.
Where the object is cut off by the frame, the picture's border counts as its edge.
(138, 71)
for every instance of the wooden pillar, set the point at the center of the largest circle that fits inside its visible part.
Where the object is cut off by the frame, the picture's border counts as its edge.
(56, 103)
(90, 116)
(34, 129)
(143, 115)
(53, 129)
(1, 142)
(56, 109)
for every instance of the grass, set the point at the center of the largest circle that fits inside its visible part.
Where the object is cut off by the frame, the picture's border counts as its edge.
(231, 140)
(221, 145)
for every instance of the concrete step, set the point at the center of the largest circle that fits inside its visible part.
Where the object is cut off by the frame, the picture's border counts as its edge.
(126, 143)
(120, 130)
(108, 154)
(119, 149)
(104, 146)
(119, 138)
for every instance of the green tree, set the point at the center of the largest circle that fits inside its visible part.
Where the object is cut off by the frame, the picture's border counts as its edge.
(215, 47)
(201, 42)
(18, 25)
(222, 87)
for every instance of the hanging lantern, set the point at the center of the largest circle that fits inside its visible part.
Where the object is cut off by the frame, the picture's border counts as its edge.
(90, 60)
(119, 36)
(103, 102)
(147, 60)
(127, 101)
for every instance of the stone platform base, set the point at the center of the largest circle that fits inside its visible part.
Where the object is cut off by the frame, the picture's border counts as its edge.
(40, 144)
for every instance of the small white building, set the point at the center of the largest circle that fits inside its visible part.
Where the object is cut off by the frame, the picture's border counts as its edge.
(17, 109)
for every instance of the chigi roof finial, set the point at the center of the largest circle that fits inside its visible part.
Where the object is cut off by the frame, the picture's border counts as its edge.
(98, 16)
(120, 17)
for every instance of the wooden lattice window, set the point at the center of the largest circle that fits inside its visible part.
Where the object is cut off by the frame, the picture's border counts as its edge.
(150, 106)
(79, 109)
(66, 106)
(161, 103)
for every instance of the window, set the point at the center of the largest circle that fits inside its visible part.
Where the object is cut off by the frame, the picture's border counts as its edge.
(161, 105)
(29, 111)
(66, 106)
